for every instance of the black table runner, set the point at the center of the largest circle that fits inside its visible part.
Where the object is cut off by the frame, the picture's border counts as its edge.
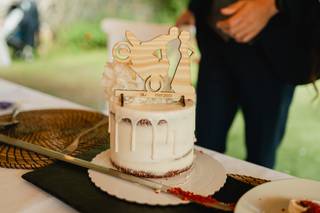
(72, 185)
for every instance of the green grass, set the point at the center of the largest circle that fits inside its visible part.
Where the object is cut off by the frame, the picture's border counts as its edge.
(75, 74)
(299, 153)
(71, 74)
(84, 35)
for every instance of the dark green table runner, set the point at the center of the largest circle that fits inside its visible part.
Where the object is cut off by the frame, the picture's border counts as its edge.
(72, 185)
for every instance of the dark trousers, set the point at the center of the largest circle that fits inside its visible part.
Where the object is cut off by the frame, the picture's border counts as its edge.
(27, 30)
(238, 78)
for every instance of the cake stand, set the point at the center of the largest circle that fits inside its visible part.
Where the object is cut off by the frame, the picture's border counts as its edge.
(205, 177)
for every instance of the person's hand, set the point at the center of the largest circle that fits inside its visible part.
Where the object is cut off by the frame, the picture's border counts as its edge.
(186, 18)
(247, 18)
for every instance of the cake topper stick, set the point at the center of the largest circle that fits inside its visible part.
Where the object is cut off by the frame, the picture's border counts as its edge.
(121, 99)
(182, 101)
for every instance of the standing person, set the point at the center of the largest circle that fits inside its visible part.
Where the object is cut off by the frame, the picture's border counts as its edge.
(252, 59)
(24, 18)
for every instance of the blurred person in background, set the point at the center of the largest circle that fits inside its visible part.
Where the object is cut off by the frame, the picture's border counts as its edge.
(22, 28)
(253, 54)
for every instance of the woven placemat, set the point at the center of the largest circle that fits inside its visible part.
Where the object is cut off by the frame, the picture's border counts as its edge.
(253, 181)
(53, 129)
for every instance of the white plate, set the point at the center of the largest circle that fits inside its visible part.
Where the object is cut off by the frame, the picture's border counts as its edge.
(273, 197)
(205, 177)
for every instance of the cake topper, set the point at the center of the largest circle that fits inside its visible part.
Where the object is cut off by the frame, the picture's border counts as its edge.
(163, 64)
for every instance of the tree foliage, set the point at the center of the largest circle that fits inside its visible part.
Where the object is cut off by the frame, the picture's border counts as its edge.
(167, 10)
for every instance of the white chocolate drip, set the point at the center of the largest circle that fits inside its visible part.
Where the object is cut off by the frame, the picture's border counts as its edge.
(116, 139)
(169, 138)
(155, 133)
(133, 135)
(167, 135)
(174, 143)
(154, 140)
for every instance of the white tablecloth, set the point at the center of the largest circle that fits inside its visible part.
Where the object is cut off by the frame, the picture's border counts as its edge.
(18, 195)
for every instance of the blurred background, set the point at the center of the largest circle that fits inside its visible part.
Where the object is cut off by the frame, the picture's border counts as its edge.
(72, 50)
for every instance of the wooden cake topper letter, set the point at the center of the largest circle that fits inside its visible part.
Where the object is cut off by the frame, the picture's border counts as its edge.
(163, 63)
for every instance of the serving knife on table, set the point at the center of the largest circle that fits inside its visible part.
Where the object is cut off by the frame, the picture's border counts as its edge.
(158, 187)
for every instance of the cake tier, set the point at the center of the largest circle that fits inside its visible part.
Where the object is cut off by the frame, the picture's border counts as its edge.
(152, 140)
(159, 169)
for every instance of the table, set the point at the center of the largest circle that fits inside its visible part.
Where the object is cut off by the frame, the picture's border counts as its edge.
(21, 196)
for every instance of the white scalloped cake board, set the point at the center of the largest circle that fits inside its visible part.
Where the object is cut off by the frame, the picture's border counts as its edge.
(205, 177)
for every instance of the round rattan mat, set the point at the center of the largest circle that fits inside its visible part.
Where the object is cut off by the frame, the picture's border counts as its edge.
(253, 181)
(53, 129)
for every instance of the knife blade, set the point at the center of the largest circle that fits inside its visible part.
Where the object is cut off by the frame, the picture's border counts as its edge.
(159, 187)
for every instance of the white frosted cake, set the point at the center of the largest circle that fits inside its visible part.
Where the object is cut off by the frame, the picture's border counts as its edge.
(151, 115)
(152, 140)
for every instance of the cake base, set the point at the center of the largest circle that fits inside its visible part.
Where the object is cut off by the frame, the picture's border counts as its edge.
(205, 171)
(148, 175)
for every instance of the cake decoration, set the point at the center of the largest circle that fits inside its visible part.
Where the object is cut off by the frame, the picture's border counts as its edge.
(162, 64)
(151, 105)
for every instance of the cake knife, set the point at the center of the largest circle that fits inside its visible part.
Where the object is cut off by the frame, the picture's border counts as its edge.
(158, 187)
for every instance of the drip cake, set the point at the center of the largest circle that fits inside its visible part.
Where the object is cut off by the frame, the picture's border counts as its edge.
(151, 104)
